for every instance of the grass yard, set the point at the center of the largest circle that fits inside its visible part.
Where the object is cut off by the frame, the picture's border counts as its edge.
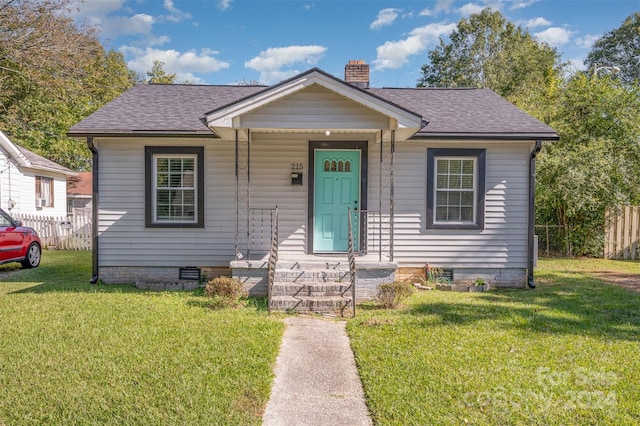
(73, 353)
(566, 353)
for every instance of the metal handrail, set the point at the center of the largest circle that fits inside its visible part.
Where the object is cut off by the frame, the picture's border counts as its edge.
(352, 263)
(373, 235)
(273, 258)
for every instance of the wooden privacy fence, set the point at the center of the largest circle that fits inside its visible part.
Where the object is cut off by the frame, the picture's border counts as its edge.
(72, 232)
(622, 239)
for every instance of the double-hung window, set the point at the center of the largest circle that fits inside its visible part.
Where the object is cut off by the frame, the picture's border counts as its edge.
(44, 191)
(455, 188)
(174, 187)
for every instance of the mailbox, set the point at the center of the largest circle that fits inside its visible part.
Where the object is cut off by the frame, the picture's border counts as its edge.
(296, 178)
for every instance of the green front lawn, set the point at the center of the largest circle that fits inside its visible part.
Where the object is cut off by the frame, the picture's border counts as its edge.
(567, 352)
(73, 353)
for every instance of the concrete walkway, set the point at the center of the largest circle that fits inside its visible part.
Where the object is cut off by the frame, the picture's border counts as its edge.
(316, 378)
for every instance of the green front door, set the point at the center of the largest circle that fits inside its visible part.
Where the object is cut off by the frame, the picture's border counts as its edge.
(337, 188)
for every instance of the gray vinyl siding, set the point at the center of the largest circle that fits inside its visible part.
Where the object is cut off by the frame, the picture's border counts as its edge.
(315, 108)
(503, 241)
(272, 156)
(271, 159)
(124, 240)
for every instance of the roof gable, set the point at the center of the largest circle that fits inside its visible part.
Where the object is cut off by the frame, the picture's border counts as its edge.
(31, 160)
(397, 118)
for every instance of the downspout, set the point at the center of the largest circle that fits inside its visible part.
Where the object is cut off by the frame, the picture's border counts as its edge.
(532, 211)
(238, 256)
(94, 212)
(391, 196)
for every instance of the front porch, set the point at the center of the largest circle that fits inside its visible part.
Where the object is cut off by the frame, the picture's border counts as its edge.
(319, 282)
(323, 151)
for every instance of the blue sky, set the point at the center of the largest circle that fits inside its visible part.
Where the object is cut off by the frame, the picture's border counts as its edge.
(243, 41)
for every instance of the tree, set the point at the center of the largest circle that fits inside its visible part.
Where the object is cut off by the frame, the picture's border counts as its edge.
(159, 75)
(620, 48)
(488, 51)
(596, 163)
(40, 45)
(53, 73)
(40, 121)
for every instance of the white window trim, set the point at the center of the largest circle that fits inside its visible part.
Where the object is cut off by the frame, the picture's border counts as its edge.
(152, 153)
(154, 189)
(474, 191)
(480, 171)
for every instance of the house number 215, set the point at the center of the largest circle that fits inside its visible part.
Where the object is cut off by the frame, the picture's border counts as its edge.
(296, 166)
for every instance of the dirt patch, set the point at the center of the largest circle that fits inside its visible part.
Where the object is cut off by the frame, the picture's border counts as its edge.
(628, 281)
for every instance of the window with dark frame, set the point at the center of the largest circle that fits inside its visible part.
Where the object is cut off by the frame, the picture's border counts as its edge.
(455, 188)
(174, 187)
(44, 191)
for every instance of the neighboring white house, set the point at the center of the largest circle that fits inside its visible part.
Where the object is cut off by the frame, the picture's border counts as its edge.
(189, 176)
(31, 184)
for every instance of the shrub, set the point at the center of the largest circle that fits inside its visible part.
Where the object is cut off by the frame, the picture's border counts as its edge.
(225, 292)
(391, 295)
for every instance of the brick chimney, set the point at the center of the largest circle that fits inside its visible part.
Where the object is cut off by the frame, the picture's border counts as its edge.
(356, 72)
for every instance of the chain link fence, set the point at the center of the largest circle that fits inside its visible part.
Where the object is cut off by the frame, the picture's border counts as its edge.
(554, 241)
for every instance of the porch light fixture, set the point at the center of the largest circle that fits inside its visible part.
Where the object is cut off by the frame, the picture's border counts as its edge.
(327, 133)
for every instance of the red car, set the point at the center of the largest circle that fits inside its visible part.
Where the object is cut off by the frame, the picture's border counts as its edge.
(18, 243)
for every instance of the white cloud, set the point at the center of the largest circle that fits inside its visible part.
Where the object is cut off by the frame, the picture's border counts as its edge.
(537, 22)
(577, 64)
(271, 61)
(96, 7)
(183, 64)
(385, 18)
(426, 12)
(469, 9)
(554, 36)
(176, 14)
(587, 41)
(152, 40)
(126, 25)
(98, 14)
(443, 5)
(521, 4)
(309, 6)
(394, 54)
(224, 4)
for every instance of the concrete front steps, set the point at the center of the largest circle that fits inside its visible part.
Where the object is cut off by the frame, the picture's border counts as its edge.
(312, 286)
(311, 283)
(322, 297)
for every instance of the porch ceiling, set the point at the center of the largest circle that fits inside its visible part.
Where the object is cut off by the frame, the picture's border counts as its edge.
(320, 134)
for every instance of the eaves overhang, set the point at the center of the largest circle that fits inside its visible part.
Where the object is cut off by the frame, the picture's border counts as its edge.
(207, 133)
(486, 136)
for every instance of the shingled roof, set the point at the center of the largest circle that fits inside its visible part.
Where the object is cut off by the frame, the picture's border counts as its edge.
(467, 113)
(150, 109)
(39, 162)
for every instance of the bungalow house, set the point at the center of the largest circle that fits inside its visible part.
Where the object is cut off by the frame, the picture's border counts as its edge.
(31, 184)
(193, 179)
